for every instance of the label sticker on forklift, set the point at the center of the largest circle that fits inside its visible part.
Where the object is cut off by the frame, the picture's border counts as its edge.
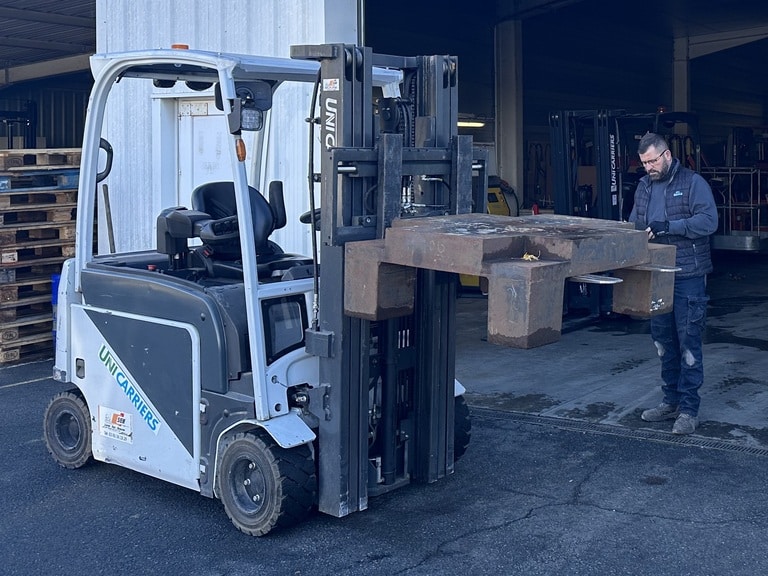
(115, 424)
(146, 412)
(330, 85)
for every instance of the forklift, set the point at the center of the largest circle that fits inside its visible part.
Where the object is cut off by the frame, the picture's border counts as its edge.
(216, 361)
(596, 172)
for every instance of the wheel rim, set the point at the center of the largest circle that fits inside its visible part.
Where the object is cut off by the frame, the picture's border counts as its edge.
(68, 431)
(248, 486)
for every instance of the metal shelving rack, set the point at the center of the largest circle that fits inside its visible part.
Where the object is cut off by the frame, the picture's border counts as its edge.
(742, 207)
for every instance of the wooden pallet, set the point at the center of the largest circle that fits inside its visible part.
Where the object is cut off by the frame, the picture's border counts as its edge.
(38, 205)
(38, 213)
(26, 232)
(23, 254)
(17, 311)
(12, 199)
(27, 329)
(37, 348)
(30, 288)
(38, 269)
(39, 157)
(38, 178)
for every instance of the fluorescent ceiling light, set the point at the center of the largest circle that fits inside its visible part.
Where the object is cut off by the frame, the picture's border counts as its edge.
(470, 124)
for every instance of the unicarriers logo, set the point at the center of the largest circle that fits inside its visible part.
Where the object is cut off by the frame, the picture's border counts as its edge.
(133, 395)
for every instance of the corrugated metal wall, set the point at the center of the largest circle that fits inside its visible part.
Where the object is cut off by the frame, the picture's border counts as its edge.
(267, 27)
(59, 105)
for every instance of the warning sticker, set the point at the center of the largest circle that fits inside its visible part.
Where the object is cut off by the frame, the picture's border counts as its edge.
(331, 85)
(115, 424)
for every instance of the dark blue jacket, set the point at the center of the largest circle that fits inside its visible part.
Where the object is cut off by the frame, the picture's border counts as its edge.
(689, 207)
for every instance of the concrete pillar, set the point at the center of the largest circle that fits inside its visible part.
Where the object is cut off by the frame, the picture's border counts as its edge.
(509, 104)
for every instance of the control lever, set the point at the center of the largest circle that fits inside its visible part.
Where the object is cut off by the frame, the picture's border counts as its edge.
(218, 230)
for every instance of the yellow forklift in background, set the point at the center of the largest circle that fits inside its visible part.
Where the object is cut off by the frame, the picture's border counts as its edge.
(502, 201)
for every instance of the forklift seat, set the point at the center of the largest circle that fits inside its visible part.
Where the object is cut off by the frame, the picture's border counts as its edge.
(217, 199)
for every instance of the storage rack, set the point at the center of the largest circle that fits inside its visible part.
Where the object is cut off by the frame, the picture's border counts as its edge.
(38, 200)
(742, 207)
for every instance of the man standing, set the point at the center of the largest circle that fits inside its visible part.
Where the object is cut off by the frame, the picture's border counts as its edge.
(674, 205)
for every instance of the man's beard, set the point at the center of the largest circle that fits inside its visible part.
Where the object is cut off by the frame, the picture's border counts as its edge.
(661, 174)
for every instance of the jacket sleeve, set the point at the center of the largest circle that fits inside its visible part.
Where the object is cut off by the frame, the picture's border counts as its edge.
(703, 219)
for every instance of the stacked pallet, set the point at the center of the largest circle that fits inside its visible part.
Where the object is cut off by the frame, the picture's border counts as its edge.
(37, 233)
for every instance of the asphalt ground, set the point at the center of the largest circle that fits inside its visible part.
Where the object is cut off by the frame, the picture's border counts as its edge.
(533, 495)
(561, 477)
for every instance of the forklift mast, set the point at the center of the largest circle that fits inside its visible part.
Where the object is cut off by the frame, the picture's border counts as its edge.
(594, 157)
(586, 156)
(387, 385)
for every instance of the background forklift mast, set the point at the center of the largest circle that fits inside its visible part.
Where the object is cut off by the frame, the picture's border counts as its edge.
(597, 169)
(595, 161)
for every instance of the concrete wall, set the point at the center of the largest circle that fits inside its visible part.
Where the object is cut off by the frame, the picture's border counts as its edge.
(266, 27)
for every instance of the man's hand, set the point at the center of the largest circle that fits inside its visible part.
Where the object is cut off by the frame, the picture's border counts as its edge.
(657, 228)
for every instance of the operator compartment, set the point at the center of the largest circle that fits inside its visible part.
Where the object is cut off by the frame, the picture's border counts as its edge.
(213, 219)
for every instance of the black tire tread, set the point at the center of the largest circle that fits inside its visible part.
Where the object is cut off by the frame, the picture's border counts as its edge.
(462, 427)
(75, 399)
(295, 470)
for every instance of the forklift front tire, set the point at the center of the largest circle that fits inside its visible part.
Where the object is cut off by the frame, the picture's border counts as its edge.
(263, 486)
(462, 427)
(67, 429)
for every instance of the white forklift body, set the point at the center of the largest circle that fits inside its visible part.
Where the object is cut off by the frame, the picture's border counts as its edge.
(178, 354)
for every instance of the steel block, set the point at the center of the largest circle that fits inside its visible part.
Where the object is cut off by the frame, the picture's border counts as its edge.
(373, 288)
(525, 259)
(648, 289)
(525, 303)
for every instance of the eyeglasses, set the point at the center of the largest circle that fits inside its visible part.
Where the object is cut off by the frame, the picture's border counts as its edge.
(652, 162)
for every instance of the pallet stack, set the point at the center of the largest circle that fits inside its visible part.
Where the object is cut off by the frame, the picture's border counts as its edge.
(38, 200)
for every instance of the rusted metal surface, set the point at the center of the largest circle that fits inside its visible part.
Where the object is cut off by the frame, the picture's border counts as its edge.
(467, 243)
(525, 303)
(526, 260)
(647, 290)
(374, 289)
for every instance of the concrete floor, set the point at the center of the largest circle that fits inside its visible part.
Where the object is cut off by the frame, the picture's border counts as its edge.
(608, 372)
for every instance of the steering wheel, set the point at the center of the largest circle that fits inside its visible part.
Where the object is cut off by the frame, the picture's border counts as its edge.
(306, 218)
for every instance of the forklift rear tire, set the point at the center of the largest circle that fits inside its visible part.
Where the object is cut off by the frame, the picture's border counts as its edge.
(67, 429)
(462, 427)
(263, 486)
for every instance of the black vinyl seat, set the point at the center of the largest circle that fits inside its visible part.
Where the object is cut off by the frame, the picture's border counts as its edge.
(217, 199)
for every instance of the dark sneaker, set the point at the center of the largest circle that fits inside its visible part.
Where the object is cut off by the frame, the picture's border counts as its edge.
(662, 412)
(685, 424)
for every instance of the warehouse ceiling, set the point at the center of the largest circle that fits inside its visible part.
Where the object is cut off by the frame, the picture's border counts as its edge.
(678, 18)
(40, 38)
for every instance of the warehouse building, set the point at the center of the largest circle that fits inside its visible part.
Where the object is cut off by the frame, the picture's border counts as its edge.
(537, 80)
